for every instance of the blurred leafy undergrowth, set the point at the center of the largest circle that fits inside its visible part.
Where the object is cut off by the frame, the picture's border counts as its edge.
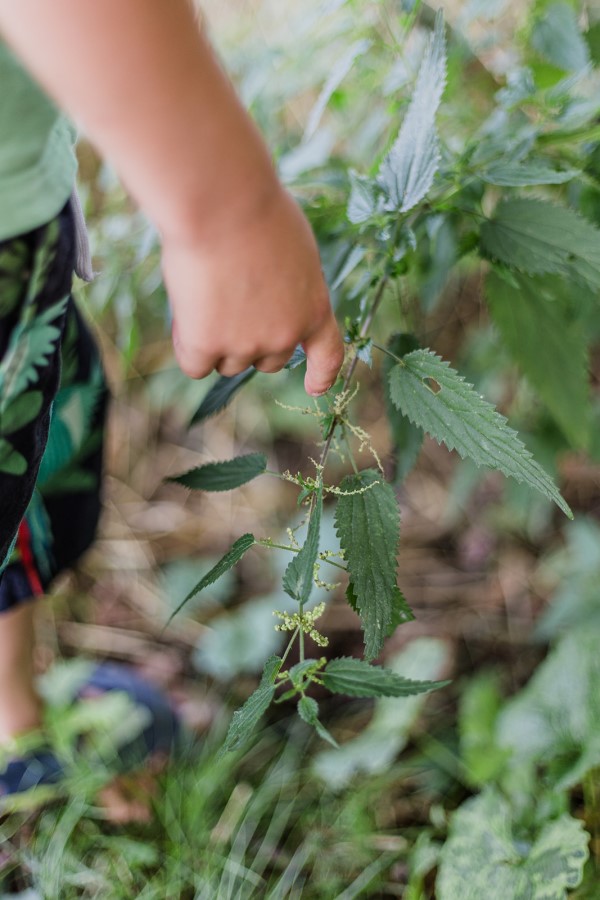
(504, 803)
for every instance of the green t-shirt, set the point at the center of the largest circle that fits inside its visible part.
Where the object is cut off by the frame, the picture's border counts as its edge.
(37, 160)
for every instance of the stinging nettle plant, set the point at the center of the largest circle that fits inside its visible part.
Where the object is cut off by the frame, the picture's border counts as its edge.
(533, 248)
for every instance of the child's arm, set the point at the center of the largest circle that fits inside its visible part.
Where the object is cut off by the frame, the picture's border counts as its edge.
(239, 259)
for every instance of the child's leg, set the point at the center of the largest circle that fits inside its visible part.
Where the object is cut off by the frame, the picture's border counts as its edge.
(20, 705)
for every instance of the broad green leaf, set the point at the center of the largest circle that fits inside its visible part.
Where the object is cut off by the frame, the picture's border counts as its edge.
(354, 258)
(554, 721)
(221, 394)
(556, 37)
(246, 719)
(388, 732)
(337, 74)
(401, 611)
(11, 461)
(408, 170)
(308, 710)
(233, 555)
(439, 400)
(520, 174)
(368, 525)
(407, 438)
(487, 855)
(364, 199)
(549, 346)
(223, 476)
(299, 576)
(21, 411)
(357, 678)
(480, 703)
(535, 236)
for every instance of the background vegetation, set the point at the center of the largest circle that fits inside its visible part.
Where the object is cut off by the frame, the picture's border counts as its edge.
(487, 787)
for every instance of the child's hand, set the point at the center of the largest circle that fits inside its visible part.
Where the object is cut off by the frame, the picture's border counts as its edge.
(249, 293)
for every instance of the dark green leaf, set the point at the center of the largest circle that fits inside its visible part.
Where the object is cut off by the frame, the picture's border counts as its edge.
(550, 348)
(221, 394)
(21, 411)
(439, 400)
(233, 555)
(407, 438)
(299, 576)
(357, 678)
(368, 525)
(517, 174)
(536, 237)
(308, 710)
(408, 170)
(246, 719)
(401, 611)
(11, 461)
(223, 476)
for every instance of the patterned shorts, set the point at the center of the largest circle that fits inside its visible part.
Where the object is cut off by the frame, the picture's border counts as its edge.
(52, 409)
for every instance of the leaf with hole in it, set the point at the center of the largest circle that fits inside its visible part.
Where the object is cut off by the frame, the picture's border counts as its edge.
(298, 578)
(246, 718)
(437, 399)
(233, 555)
(367, 521)
(535, 236)
(407, 438)
(223, 476)
(488, 855)
(357, 678)
(408, 170)
(308, 710)
(221, 394)
(525, 309)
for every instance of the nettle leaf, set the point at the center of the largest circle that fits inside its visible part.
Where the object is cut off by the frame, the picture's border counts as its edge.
(364, 199)
(368, 525)
(11, 461)
(436, 398)
(536, 237)
(233, 556)
(246, 719)
(486, 854)
(20, 412)
(550, 347)
(556, 37)
(357, 678)
(221, 394)
(223, 476)
(521, 174)
(298, 578)
(401, 611)
(408, 170)
(308, 710)
(407, 438)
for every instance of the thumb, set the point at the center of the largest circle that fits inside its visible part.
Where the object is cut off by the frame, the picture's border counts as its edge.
(324, 357)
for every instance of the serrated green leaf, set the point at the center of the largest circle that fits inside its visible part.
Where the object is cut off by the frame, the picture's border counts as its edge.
(298, 578)
(223, 476)
(11, 461)
(357, 678)
(221, 394)
(21, 411)
(408, 170)
(520, 174)
(368, 525)
(407, 439)
(401, 611)
(363, 200)
(486, 856)
(556, 37)
(436, 398)
(233, 555)
(550, 347)
(308, 710)
(537, 237)
(246, 718)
